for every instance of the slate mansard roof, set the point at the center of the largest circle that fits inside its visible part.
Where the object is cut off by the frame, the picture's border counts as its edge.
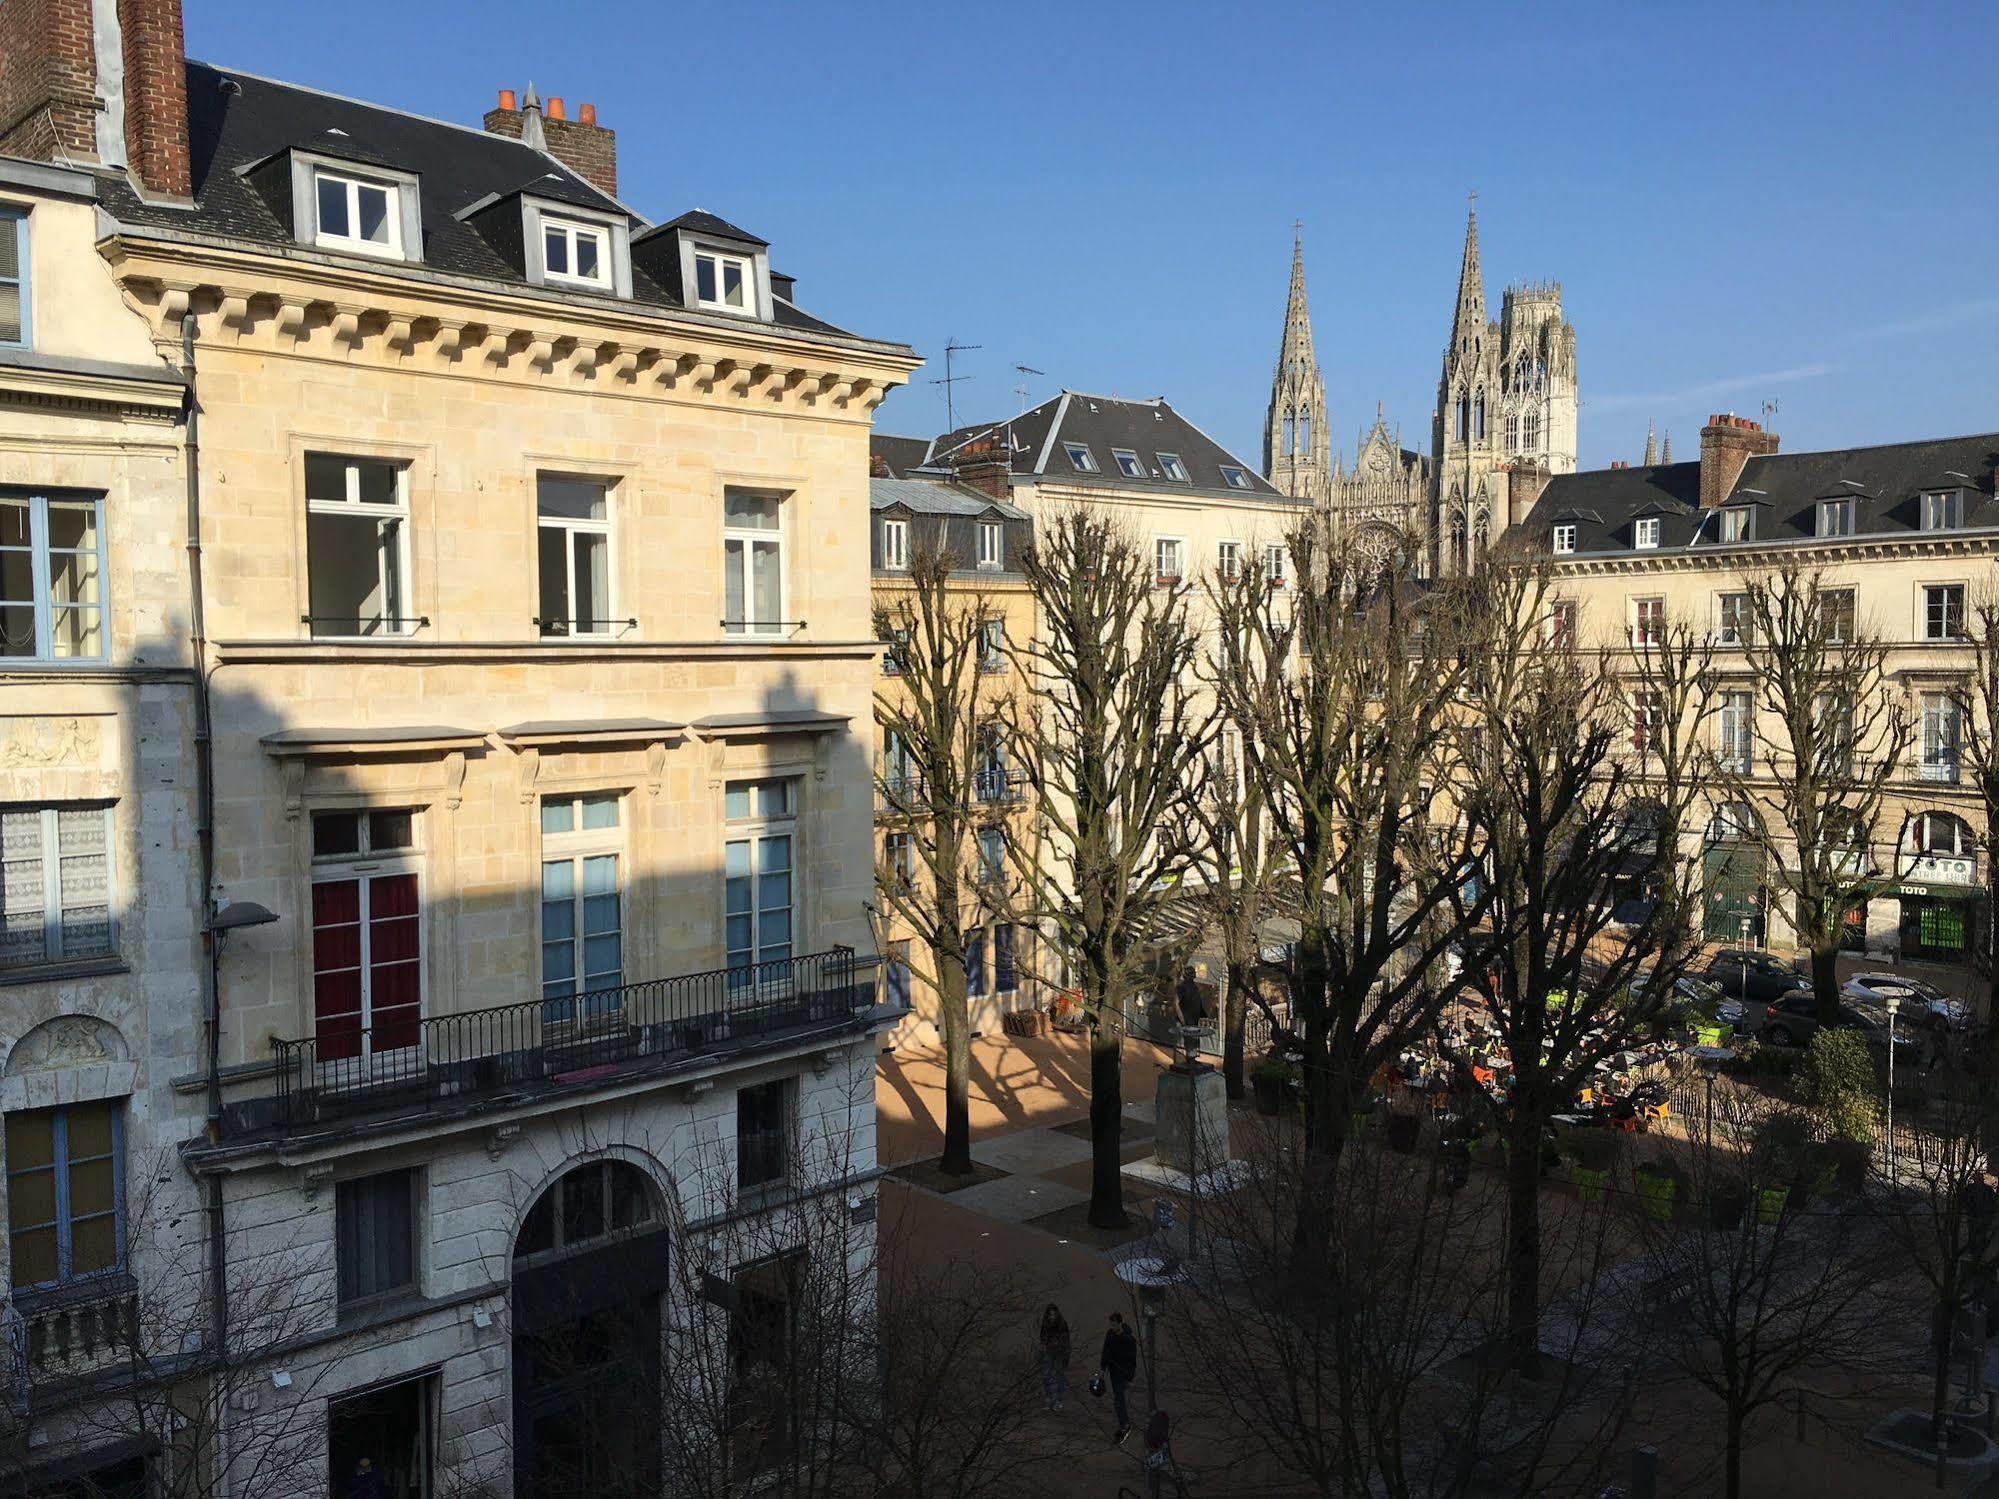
(1035, 439)
(238, 121)
(936, 497)
(1885, 483)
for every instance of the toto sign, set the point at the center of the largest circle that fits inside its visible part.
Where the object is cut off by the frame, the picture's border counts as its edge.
(1942, 869)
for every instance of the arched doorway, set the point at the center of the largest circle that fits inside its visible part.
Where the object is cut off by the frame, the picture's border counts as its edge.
(590, 1265)
(1732, 878)
(1939, 888)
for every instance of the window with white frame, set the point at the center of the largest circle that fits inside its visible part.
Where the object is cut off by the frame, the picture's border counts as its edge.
(1128, 463)
(1734, 727)
(1942, 737)
(1171, 466)
(752, 562)
(1836, 614)
(992, 856)
(367, 934)
(1234, 477)
(1645, 533)
(1648, 621)
(992, 645)
(1168, 558)
(582, 908)
(357, 515)
(573, 553)
(1943, 510)
(52, 576)
(1943, 611)
(575, 252)
(1943, 833)
(899, 861)
(1737, 523)
(1732, 619)
(1835, 517)
(356, 213)
(14, 328)
(1562, 539)
(1274, 564)
(758, 864)
(55, 884)
(65, 1193)
(992, 545)
(1081, 459)
(895, 545)
(1228, 560)
(1562, 622)
(1648, 719)
(725, 282)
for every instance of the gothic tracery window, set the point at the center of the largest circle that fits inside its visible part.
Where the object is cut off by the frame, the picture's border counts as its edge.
(1478, 418)
(1289, 433)
(1305, 433)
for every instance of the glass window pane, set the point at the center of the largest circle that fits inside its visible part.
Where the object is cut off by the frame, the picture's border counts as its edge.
(558, 884)
(558, 814)
(10, 306)
(733, 288)
(766, 581)
(569, 499)
(373, 203)
(325, 477)
(630, 1202)
(31, 1142)
(555, 251)
(377, 483)
(31, 1198)
(345, 557)
(552, 566)
(600, 880)
(582, 1205)
(93, 1246)
(90, 1187)
(600, 811)
(73, 526)
(335, 833)
(704, 278)
(332, 206)
(586, 254)
(732, 583)
(743, 511)
(736, 805)
(34, 1255)
(592, 575)
(601, 960)
(90, 1134)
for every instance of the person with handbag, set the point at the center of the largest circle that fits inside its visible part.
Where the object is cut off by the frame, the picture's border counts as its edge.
(1119, 1366)
(1054, 1357)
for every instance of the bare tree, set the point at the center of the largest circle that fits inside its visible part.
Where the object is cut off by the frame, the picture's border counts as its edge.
(1342, 688)
(1976, 721)
(1756, 1297)
(1813, 739)
(1114, 742)
(1550, 803)
(940, 734)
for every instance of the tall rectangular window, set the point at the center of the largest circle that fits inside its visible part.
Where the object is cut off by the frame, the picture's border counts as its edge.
(1648, 719)
(752, 563)
(1942, 737)
(989, 779)
(52, 577)
(1943, 611)
(356, 545)
(374, 1224)
(1648, 621)
(1273, 565)
(13, 277)
(55, 884)
(1562, 622)
(992, 856)
(975, 962)
(1562, 539)
(1228, 560)
(1737, 523)
(65, 1193)
(367, 934)
(992, 545)
(763, 1133)
(895, 545)
(1836, 614)
(573, 550)
(582, 908)
(758, 864)
(1734, 728)
(1732, 625)
(992, 645)
(1005, 975)
(1645, 533)
(899, 860)
(1169, 558)
(1832, 715)
(1835, 518)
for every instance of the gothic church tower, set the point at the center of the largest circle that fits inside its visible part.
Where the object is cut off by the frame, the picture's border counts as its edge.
(1297, 449)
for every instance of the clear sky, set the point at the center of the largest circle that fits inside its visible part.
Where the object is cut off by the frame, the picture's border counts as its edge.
(1743, 202)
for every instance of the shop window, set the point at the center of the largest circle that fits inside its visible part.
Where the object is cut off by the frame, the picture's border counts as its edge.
(380, 1443)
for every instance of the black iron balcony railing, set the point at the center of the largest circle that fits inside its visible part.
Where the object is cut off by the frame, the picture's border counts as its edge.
(580, 1039)
(995, 785)
(900, 791)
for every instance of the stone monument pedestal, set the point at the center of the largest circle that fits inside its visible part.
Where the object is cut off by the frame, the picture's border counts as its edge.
(1191, 1120)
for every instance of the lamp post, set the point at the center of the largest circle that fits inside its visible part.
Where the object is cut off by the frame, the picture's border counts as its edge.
(1150, 1278)
(1894, 1004)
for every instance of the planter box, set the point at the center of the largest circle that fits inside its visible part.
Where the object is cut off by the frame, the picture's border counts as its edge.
(1657, 1193)
(1025, 1023)
(1590, 1185)
(1770, 1203)
(1713, 1035)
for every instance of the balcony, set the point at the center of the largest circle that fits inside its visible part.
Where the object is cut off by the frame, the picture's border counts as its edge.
(997, 787)
(508, 1055)
(69, 1333)
(899, 794)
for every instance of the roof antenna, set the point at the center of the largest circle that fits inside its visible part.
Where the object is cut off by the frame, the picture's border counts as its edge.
(950, 379)
(1024, 370)
(1769, 415)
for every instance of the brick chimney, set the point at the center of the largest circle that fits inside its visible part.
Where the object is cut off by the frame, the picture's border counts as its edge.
(1728, 442)
(1524, 482)
(581, 144)
(101, 81)
(984, 464)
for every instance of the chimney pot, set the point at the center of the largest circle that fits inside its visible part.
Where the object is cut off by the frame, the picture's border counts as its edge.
(587, 113)
(507, 100)
(555, 107)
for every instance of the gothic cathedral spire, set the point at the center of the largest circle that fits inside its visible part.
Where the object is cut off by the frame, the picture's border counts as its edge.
(1297, 449)
(1469, 324)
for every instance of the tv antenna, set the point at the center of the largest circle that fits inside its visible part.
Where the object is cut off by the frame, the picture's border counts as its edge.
(1024, 370)
(950, 378)
(1770, 413)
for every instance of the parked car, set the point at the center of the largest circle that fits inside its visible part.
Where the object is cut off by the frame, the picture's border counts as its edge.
(1691, 997)
(1921, 1002)
(1793, 1019)
(1755, 976)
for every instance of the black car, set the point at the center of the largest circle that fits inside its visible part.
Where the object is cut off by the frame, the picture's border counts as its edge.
(1754, 976)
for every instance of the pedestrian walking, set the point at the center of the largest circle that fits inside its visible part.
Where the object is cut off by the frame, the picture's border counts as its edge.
(1120, 1366)
(1054, 1357)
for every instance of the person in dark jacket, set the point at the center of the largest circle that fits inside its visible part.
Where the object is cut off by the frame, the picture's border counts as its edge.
(1054, 1357)
(1120, 1366)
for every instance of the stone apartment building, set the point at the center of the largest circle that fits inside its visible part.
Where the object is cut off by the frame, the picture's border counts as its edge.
(1905, 534)
(513, 560)
(987, 536)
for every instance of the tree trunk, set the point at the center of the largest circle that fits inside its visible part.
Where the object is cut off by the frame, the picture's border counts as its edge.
(1946, 1324)
(1825, 981)
(951, 1004)
(1523, 1246)
(1732, 1456)
(1106, 1117)
(1235, 1013)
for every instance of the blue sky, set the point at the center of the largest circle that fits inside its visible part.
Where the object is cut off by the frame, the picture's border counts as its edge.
(1742, 202)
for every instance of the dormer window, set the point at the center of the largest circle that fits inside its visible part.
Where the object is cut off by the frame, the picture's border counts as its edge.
(1234, 477)
(1835, 518)
(724, 282)
(576, 253)
(1171, 466)
(895, 545)
(1943, 510)
(1128, 463)
(356, 213)
(1081, 459)
(1645, 533)
(1562, 539)
(1736, 523)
